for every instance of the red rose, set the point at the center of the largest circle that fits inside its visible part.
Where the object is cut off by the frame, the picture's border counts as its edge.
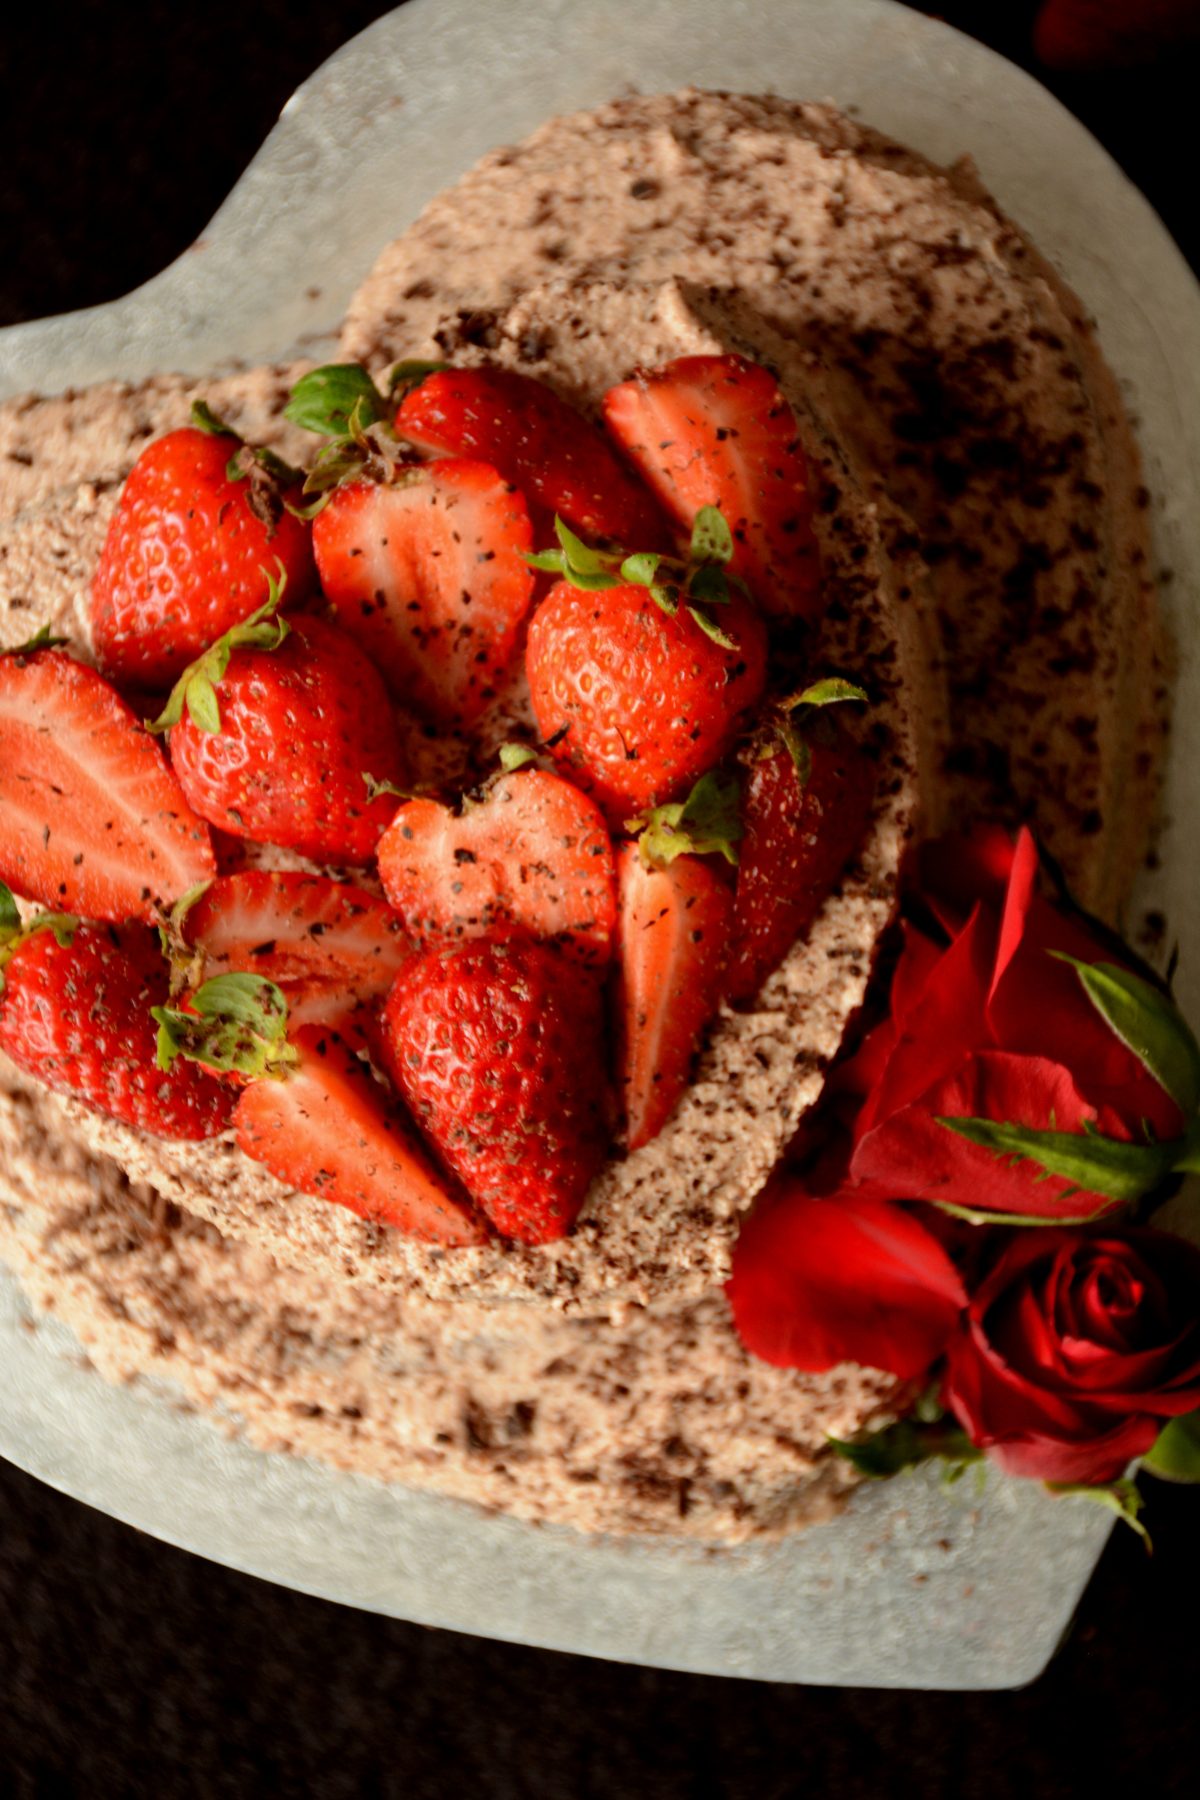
(1075, 1349)
(824, 1279)
(993, 1026)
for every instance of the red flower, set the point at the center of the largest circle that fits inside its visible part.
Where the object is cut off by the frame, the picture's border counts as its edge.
(1075, 1349)
(993, 1026)
(823, 1279)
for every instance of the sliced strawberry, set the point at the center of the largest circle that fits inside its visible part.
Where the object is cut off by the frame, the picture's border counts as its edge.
(92, 819)
(331, 947)
(555, 456)
(534, 852)
(718, 431)
(330, 1129)
(429, 574)
(797, 838)
(673, 938)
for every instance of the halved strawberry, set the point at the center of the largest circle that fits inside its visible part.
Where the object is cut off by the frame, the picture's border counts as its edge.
(718, 431)
(330, 946)
(92, 819)
(532, 852)
(428, 572)
(330, 1129)
(797, 836)
(555, 456)
(673, 938)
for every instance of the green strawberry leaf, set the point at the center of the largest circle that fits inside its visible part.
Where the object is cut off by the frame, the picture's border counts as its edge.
(10, 918)
(1086, 1160)
(339, 401)
(409, 375)
(1120, 1497)
(236, 1024)
(203, 418)
(41, 640)
(709, 585)
(581, 558)
(707, 823)
(516, 756)
(711, 629)
(1175, 1453)
(196, 689)
(550, 562)
(712, 540)
(1147, 1023)
(885, 1452)
(827, 692)
(14, 932)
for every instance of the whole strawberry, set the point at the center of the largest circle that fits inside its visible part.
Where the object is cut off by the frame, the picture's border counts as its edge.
(75, 1012)
(190, 550)
(638, 704)
(498, 1046)
(274, 733)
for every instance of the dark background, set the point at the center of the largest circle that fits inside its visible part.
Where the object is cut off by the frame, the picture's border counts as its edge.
(127, 1668)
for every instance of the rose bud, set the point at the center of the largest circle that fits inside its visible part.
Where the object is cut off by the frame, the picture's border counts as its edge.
(1075, 1349)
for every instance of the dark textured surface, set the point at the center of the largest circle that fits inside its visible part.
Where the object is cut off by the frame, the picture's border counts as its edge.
(130, 1669)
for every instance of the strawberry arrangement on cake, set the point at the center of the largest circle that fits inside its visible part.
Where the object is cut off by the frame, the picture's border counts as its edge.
(455, 802)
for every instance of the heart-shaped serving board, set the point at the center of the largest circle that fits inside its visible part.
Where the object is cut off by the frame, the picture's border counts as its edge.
(913, 1585)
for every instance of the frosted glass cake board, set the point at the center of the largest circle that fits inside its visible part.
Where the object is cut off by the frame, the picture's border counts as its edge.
(913, 1585)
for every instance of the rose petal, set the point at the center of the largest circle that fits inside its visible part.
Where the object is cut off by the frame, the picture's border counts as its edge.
(923, 1160)
(819, 1281)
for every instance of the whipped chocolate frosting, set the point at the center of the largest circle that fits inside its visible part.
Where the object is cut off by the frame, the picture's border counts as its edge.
(957, 414)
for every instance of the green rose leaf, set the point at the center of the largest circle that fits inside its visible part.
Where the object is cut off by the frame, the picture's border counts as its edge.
(235, 1024)
(1175, 1453)
(1120, 1497)
(879, 1454)
(1085, 1160)
(707, 823)
(1147, 1022)
(339, 400)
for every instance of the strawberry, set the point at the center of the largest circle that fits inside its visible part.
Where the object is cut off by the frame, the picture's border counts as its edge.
(673, 937)
(91, 817)
(718, 431)
(498, 1047)
(282, 757)
(555, 456)
(328, 1128)
(636, 703)
(329, 946)
(428, 573)
(797, 837)
(188, 551)
(75, 1012)
(532, 852)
